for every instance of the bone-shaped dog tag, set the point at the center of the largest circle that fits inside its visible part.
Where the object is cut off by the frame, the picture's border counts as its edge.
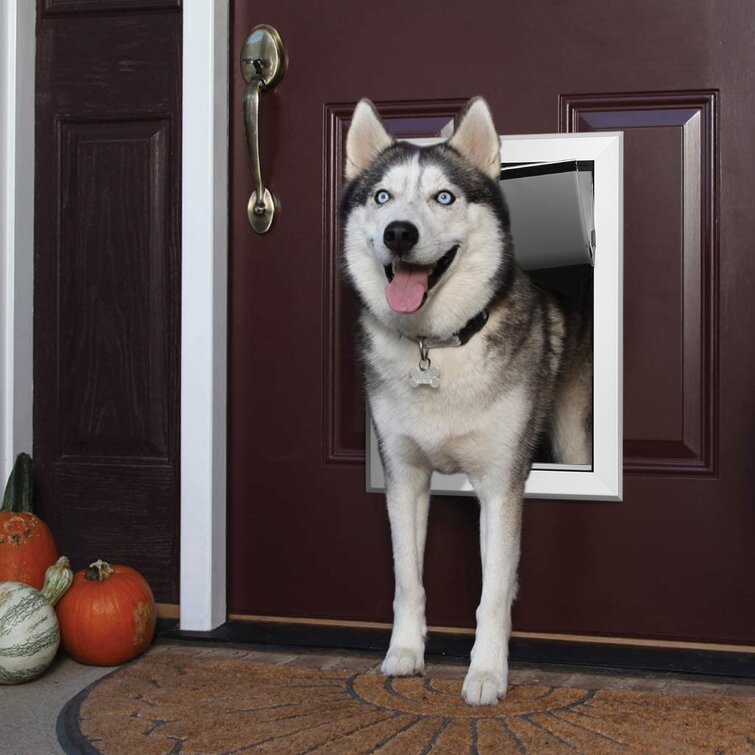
(429, 376)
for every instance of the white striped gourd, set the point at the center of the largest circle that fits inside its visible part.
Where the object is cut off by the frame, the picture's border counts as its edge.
(29, 632)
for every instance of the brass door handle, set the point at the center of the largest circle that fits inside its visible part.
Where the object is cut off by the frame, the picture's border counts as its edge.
(263, 63)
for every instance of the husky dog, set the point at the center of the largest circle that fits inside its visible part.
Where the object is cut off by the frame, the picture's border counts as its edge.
(466, 362)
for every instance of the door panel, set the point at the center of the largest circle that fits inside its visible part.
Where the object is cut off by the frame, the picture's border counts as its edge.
(672, 560)
(106, 282)
(671, 195)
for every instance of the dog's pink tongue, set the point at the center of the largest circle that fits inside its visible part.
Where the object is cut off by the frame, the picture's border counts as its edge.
(406, 291)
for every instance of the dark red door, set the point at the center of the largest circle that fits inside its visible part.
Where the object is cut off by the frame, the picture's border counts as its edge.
(675, 558)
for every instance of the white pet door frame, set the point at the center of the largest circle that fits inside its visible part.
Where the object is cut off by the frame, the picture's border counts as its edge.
(603, 480)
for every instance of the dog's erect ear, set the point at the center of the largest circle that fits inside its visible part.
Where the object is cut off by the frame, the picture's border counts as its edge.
(476, 139)
(366, 139)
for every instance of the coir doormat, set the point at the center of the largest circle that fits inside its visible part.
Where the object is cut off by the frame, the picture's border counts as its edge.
(183, 700)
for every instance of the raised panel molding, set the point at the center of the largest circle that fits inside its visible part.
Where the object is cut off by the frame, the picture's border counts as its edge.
(114, 221)
(91, 498)
(83, 7)
(680, 133)
(343, 400)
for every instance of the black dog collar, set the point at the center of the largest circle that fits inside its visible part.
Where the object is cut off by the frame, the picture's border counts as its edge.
(475, 325)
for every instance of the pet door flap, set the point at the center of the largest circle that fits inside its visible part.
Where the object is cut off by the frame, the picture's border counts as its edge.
(551, 207)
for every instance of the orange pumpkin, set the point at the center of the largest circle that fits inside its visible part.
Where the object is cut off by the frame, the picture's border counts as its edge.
(26, 544)
(107, 616)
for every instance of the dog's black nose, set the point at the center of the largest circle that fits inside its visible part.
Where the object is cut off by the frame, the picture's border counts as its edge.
(400, 236)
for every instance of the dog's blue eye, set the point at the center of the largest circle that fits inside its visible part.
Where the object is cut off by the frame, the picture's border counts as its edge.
(382, 196)
(445, 197)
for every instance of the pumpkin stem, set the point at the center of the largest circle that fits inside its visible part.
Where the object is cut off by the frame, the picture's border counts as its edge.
(17, 496)
(99, 571)
(58, 578)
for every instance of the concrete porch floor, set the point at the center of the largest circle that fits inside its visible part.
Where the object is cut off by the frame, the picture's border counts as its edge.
(29, 712)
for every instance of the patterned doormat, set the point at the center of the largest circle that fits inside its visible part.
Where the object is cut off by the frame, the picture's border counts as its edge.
(187, 700)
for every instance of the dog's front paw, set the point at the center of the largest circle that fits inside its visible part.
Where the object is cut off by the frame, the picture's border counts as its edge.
(483, 687)
(403, 662)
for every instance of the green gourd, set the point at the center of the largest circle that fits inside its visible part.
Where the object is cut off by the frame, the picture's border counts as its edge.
(29, 630)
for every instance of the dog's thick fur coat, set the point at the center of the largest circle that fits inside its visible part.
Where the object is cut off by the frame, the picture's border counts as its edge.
(525, 372)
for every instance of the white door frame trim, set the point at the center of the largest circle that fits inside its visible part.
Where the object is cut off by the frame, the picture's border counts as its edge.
(204, 303)
(17, 53)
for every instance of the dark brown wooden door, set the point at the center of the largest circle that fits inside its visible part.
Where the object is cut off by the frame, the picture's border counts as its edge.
(673, 560)
(107, 282)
